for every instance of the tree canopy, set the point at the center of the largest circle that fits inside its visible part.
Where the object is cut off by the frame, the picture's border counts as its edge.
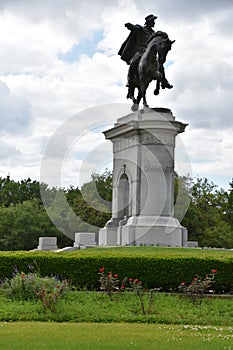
(23, 217)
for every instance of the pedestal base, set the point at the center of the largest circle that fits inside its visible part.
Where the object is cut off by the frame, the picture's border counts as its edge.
(145, 230)
(108, 236)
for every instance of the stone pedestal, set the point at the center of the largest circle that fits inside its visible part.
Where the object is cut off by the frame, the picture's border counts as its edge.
(84, 238)
(47, 243)
(143, 175)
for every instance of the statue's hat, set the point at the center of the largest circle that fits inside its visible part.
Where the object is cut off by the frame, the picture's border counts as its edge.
(150, 18)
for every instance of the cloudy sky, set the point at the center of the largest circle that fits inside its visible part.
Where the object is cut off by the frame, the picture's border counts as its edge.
(62, 83)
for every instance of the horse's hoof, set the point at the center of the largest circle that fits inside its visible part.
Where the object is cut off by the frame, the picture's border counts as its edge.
(134, 107)
(156, 92)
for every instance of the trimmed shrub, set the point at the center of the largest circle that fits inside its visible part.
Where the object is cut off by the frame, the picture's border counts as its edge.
(156, 267)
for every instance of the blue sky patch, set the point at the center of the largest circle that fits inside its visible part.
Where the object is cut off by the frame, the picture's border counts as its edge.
(168, 63)
(86, 47)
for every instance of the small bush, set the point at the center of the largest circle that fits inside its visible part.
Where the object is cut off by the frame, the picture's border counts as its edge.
(32, 286)
(198, 287)
(109, 282)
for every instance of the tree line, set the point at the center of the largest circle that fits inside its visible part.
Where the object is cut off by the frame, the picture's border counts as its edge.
(23, 218)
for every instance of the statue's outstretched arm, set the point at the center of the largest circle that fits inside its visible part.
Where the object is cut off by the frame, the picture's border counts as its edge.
(129, 26)
(133, 28)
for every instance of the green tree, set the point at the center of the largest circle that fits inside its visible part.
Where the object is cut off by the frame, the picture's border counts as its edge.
(182, 195)
(209, 210)
(14, 192)
(61, 213)
(93, 204)
(22, 224)
(229, 205)
(220, 235)
(23, 218)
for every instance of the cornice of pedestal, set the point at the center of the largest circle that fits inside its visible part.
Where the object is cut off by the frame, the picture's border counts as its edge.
(154, 121)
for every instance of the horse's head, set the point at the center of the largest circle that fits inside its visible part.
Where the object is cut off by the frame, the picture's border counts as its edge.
(165, 46)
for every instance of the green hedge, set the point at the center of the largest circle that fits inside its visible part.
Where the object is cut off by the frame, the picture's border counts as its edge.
(156, 267)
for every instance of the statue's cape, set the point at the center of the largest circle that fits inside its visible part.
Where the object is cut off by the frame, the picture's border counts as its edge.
(129, 47)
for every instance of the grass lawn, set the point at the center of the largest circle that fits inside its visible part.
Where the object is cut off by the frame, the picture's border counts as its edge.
(124, 307)
(142, 250)
(122, 336)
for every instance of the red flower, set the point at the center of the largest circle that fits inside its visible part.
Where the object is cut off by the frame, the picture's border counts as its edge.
(116, 275)
(195, 279)
(136, 280)
(131, 279)
(122, 287)
(183, 283)
(102, 269)
(214, 271)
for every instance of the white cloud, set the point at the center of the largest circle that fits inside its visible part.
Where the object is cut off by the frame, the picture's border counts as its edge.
(211, 153)
(16, 114)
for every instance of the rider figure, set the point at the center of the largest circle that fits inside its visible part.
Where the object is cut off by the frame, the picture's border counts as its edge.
(134, 46)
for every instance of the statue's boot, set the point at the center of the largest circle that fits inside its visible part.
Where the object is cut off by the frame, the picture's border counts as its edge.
(166, 85)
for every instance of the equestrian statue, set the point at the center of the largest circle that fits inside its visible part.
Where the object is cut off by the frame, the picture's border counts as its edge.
(145, 52)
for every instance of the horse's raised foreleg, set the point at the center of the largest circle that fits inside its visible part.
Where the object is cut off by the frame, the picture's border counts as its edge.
(156, 91)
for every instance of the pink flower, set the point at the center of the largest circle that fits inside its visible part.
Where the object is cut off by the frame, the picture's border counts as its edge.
(116, 275)
(102, 269)
(136, 280)
(130, 279)
(122, 287)
(214, 271)
(183, 283)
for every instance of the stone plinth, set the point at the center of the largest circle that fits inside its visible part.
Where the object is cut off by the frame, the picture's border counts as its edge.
(84, 238)
(143, 176)
(47, 243)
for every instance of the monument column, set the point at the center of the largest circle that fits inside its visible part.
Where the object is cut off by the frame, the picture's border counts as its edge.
(143, 180)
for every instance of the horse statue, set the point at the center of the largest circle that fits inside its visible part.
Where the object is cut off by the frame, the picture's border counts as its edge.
(149, 67)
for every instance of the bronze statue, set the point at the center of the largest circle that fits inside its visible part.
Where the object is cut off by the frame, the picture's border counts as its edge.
(145, 52)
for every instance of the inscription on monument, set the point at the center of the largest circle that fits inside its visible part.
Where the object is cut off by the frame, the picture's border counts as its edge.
(123, 143)
(143, 139)
(163, 139)
(151, 168)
